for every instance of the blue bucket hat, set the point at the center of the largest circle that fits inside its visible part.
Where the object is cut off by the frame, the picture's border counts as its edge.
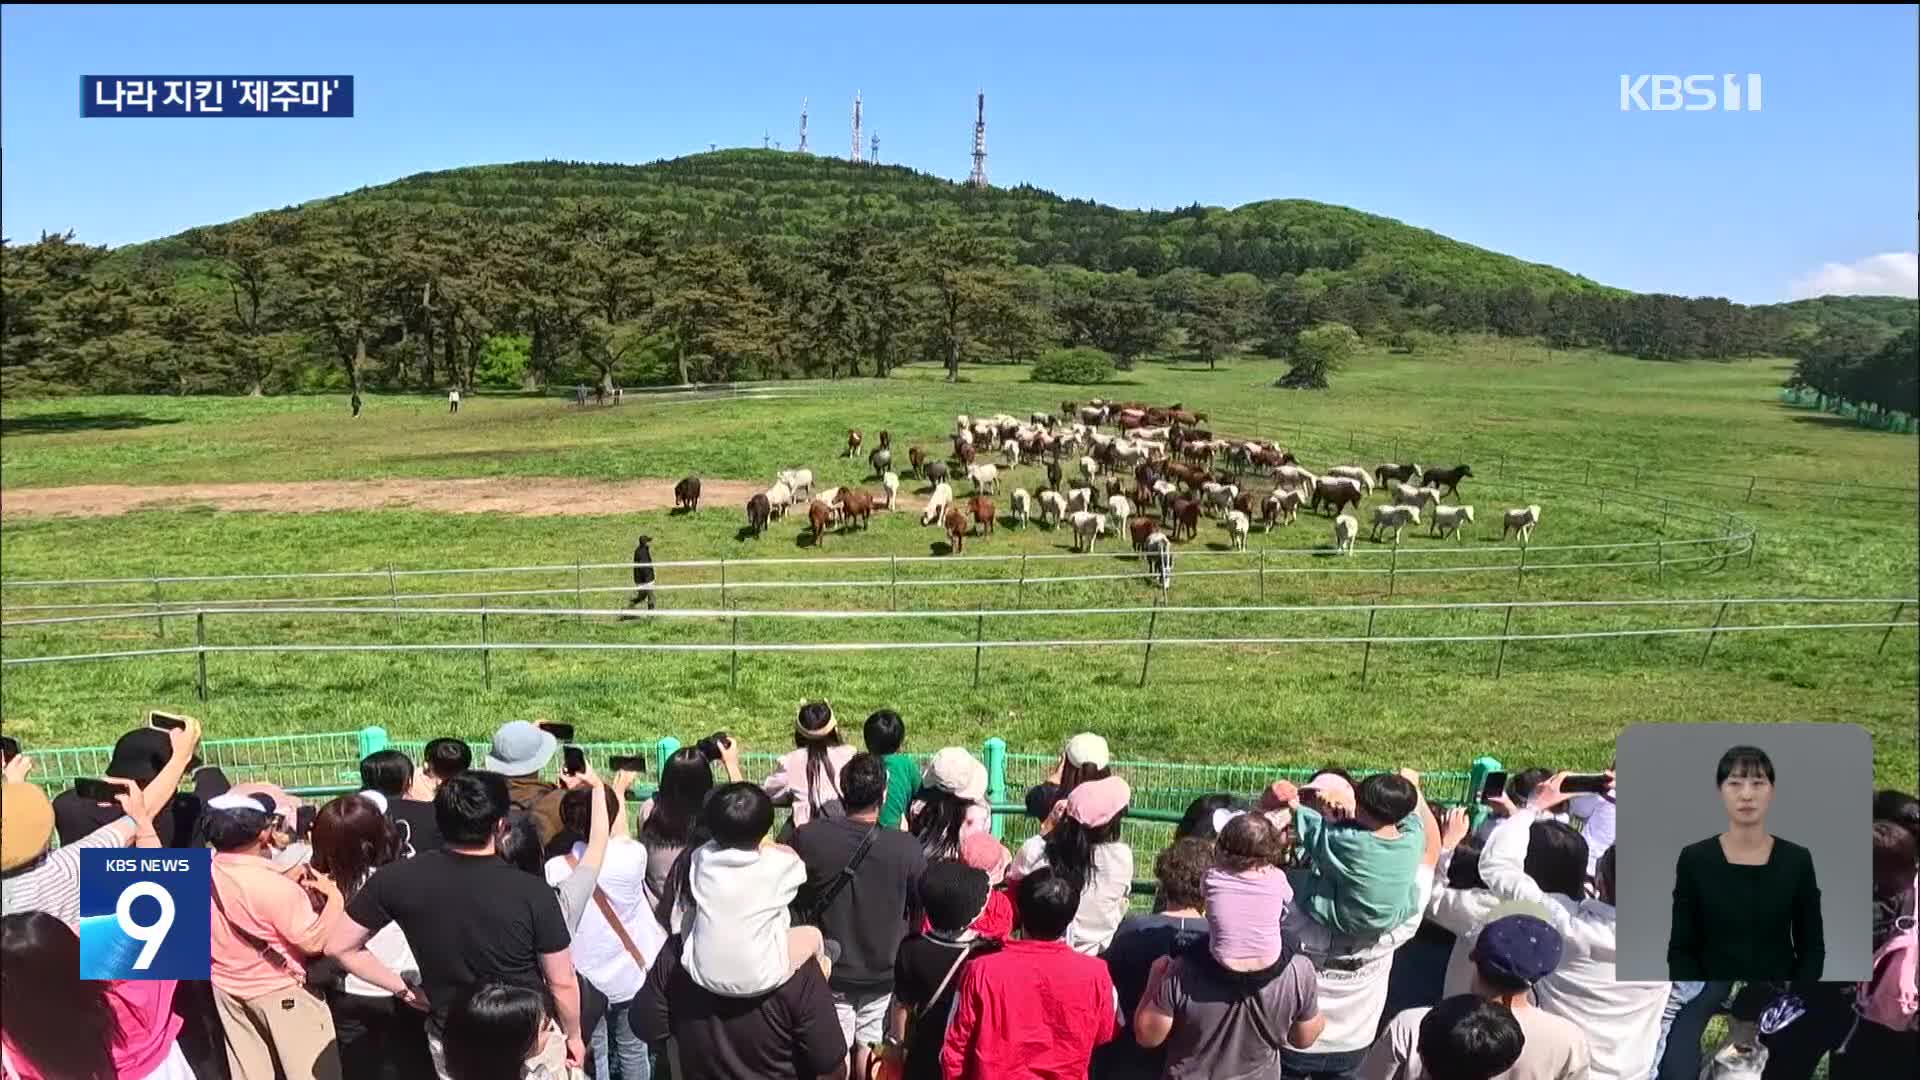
(520, 748)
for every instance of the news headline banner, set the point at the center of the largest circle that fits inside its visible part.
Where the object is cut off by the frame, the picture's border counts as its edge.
(216, 95)
(146, 913)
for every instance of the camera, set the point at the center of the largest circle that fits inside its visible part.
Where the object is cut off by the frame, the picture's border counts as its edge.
(709, 747)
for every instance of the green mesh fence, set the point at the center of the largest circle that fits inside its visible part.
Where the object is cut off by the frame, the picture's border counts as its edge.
(322, 765)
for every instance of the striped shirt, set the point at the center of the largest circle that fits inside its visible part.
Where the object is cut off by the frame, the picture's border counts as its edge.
(52, 884)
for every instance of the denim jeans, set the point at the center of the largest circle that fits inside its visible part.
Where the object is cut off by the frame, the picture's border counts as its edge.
(627, 1049)
(1689, 1006)
(1302, 1065)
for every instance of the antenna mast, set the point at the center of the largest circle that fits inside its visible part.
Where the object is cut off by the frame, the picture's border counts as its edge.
(979, 177)
(856, 128)
(803, 125)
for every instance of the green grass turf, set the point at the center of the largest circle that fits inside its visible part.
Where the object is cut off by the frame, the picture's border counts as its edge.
(1553, 430)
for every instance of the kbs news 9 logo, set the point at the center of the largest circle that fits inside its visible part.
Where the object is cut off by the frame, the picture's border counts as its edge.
(145, 913)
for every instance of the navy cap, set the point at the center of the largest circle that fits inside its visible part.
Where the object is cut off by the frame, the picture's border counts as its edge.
(1520, 948)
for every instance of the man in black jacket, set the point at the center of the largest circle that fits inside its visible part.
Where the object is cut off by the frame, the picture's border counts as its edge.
(643, 573)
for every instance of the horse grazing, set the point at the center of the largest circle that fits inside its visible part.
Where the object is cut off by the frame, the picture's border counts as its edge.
(1139, 529)
(886, 439)
(1446, 478)
(819, 516)
(935, 471)
(982, 510)
(686, 494)
(956, 525)
(916, 457)
(1053, 473)
(853, 441)
(881, 460)
(964, 452)
(758, 511)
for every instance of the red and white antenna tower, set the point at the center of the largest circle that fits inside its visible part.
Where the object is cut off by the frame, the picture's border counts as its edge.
(979, 177)
(803, 125)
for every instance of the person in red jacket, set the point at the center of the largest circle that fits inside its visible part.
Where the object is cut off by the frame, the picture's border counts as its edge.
(1036, 1009)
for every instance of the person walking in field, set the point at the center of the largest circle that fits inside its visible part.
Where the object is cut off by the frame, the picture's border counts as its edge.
(642, 573)
(453, 400)
(356, 404)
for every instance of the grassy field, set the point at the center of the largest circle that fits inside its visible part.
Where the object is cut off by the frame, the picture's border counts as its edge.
(1597, 441)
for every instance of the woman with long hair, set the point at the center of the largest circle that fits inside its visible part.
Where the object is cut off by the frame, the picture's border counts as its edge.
(808, 777)
(670, 824)
(379, 1037)
(1082, 844)
(502, 1032)
(56, 1026)
(951, 804)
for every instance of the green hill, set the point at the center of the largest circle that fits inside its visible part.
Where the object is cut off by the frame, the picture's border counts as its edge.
(735, 194)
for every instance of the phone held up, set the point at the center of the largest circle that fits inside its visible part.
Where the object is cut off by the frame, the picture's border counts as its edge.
(165, 721)
(627, 763)
(1494, 786)
(95, 790)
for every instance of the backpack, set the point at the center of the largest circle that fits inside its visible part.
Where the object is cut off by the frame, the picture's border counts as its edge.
(1891, 998)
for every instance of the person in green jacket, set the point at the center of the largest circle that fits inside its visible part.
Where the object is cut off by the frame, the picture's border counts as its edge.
(885, 733)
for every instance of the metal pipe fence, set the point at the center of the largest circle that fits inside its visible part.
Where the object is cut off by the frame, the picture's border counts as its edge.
(979, 642)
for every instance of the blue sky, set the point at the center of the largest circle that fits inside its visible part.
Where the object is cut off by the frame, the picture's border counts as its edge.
(1498, 126)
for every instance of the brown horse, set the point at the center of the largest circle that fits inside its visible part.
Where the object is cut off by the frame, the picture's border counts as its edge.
(819, 514)
(982, 508)
(916, 457)
(855, 503)
(956, 525)
(1186, 518)
(853, 441)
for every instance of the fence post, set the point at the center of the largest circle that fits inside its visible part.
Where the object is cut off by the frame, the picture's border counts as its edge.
(1500, 658)
(1753, 541)
(576, 590)
(1393, 567)
(1367, 656)
(733, 663)
(486, 654)
(1476, 778)
(723, 584)
(1751, 480)
(1146, 657)
(1263, 574)
(994, 750)
(663, 748)
(1521, 575)
(1902, 606)
(979, 634)
(372, 740)
(200, 638)
(1711, 634)
(893, 583)
(1020, 592)
(393, 594)
(1660, 560)
(159, 612)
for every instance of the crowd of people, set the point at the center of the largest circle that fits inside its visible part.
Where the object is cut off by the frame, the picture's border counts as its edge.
(474, 921)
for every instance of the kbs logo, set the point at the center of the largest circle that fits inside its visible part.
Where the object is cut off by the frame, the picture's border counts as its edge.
(1689, 93)
(145, 913)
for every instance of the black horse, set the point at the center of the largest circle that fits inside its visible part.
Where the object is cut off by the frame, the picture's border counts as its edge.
(1446, 478)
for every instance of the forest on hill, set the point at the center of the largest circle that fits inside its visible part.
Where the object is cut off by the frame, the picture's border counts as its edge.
(762, 264)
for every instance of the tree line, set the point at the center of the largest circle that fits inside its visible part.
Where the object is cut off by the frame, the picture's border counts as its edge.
(353, 294)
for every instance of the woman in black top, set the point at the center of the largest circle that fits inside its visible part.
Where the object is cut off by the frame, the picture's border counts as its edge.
(1746, 905)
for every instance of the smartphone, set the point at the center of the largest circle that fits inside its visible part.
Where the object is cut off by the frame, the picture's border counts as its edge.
(165, 721)
(1585, 784)
(629, 763)
(1493, 787)
(96, 790)
(563, 732)
(573, 760)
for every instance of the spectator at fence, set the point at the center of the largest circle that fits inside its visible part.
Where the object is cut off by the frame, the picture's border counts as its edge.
(381, 1037)
(927, 968)
(139, 755)
(1595, 815)
(1353, 971)
(500, 1031)
(617, 937)
(1084, 846)
(1179, 923)
(1885, 1038)
(1037, 1008)
(1468, 1038)
(1362, 864)
(1198, 821)
(989, 856)
(445, 758)
(740, 937)
(951, 803)
(788, 1033)
(267, 929)
(671, 825)
(867, 914)
(1621, 1019)
(1512, 953)
(34, 876)
(1247, 894)
(886, 733)
(470, 917)
(1216, 1020)
(390, 773)
(520, 750)
(55, 1025)
(808, 776)
(1555, 863)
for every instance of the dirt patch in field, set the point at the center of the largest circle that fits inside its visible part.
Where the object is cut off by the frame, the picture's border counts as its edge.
(529, 496)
